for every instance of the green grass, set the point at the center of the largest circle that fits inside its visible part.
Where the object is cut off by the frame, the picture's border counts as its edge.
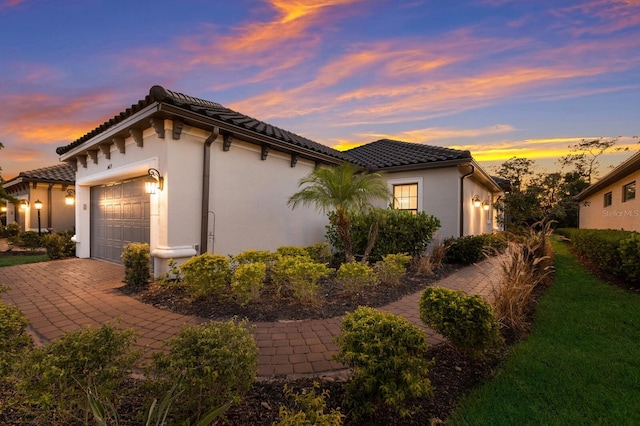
(22, 260)
(579, 365)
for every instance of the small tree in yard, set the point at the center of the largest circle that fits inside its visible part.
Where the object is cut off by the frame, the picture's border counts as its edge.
(344, 189)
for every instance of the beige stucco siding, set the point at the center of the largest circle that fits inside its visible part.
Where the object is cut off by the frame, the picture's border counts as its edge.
(619, 215)
(249, 199)
(439, 190)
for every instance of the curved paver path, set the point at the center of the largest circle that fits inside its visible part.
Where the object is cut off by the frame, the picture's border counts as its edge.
(64, 295)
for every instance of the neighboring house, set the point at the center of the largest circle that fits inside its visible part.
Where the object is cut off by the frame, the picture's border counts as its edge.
(48, 188)
(611, 202)
(224, 179)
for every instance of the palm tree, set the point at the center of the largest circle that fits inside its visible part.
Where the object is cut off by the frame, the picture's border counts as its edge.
(344, 189)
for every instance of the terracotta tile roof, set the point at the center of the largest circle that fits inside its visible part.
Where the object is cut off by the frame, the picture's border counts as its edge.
(60, 173)
(387, 153)
(211, 110)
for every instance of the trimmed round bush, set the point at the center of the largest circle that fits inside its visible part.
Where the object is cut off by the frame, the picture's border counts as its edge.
(467, 321)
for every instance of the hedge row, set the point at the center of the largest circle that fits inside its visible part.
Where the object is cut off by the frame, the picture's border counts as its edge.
(612, 252)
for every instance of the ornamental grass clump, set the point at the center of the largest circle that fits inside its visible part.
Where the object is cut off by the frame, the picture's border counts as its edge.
(521, 273)
(388, 357)
(468, 322)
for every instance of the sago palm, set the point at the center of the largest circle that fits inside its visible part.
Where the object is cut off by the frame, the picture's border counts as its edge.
(344, 189)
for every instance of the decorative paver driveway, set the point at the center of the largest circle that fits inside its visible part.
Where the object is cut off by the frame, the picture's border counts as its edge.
(64, 295)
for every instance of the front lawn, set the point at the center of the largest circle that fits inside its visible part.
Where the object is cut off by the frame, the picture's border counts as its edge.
(579, 365)
(22, 259)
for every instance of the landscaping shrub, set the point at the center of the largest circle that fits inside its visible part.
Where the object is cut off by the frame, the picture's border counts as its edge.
(391, 268)
(207, 274)
(14, 339)
(399, 232)
(320, 253)
(311, 409)
(11, 230)
(292, 251)
(464, 250)
(136, 259)
(59, 245)
(248, 279)
(467, 321)
(629, 251)
(215, 363)
(388, 356)
(55, 377)
(254, 256)
(600, 248)
(300, 275)
(354, 276)
(30, 239)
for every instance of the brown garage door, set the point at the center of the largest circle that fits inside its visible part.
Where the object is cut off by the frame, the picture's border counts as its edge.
(119, 215)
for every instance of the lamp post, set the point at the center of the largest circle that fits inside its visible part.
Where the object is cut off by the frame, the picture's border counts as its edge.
(38, 206)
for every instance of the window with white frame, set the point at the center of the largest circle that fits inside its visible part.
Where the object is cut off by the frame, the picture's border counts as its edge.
(405, 197)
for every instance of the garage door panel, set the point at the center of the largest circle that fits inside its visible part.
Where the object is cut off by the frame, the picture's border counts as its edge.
(120, 214)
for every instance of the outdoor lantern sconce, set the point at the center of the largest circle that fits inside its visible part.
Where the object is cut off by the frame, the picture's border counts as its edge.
(476, 201)
(486, 205)
(3, 209)
(24, 205)
(154, 182)
(70, 198)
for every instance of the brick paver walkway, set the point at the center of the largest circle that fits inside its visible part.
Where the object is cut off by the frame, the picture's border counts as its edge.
(64, 295)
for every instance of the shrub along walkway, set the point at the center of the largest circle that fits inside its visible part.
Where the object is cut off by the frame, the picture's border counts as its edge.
(64, 295)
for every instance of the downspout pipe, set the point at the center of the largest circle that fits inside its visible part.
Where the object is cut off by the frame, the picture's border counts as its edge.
(206, 178)
(473, 170)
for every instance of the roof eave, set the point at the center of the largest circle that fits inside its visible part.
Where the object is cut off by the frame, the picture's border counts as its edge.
(629, 166)
(422, 166)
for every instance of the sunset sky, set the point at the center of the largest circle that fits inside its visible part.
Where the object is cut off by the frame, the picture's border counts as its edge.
(500, 78)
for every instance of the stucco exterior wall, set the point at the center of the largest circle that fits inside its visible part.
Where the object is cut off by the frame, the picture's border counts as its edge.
(439, 195)
(619, 215)
(247, 198)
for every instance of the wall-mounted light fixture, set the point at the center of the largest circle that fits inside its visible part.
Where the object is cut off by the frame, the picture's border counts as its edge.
(486, 205)
(70, 198)
(476, 201)
(3, 209)
(24, 205)
(154, 182)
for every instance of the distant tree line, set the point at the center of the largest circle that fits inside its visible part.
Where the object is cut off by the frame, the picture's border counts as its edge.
(550, 196)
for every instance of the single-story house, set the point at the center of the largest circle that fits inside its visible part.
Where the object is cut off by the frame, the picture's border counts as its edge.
(47, 193)
(220, 181)
(611, 202)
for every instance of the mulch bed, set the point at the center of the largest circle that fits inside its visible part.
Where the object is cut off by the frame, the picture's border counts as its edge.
(333, 300)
